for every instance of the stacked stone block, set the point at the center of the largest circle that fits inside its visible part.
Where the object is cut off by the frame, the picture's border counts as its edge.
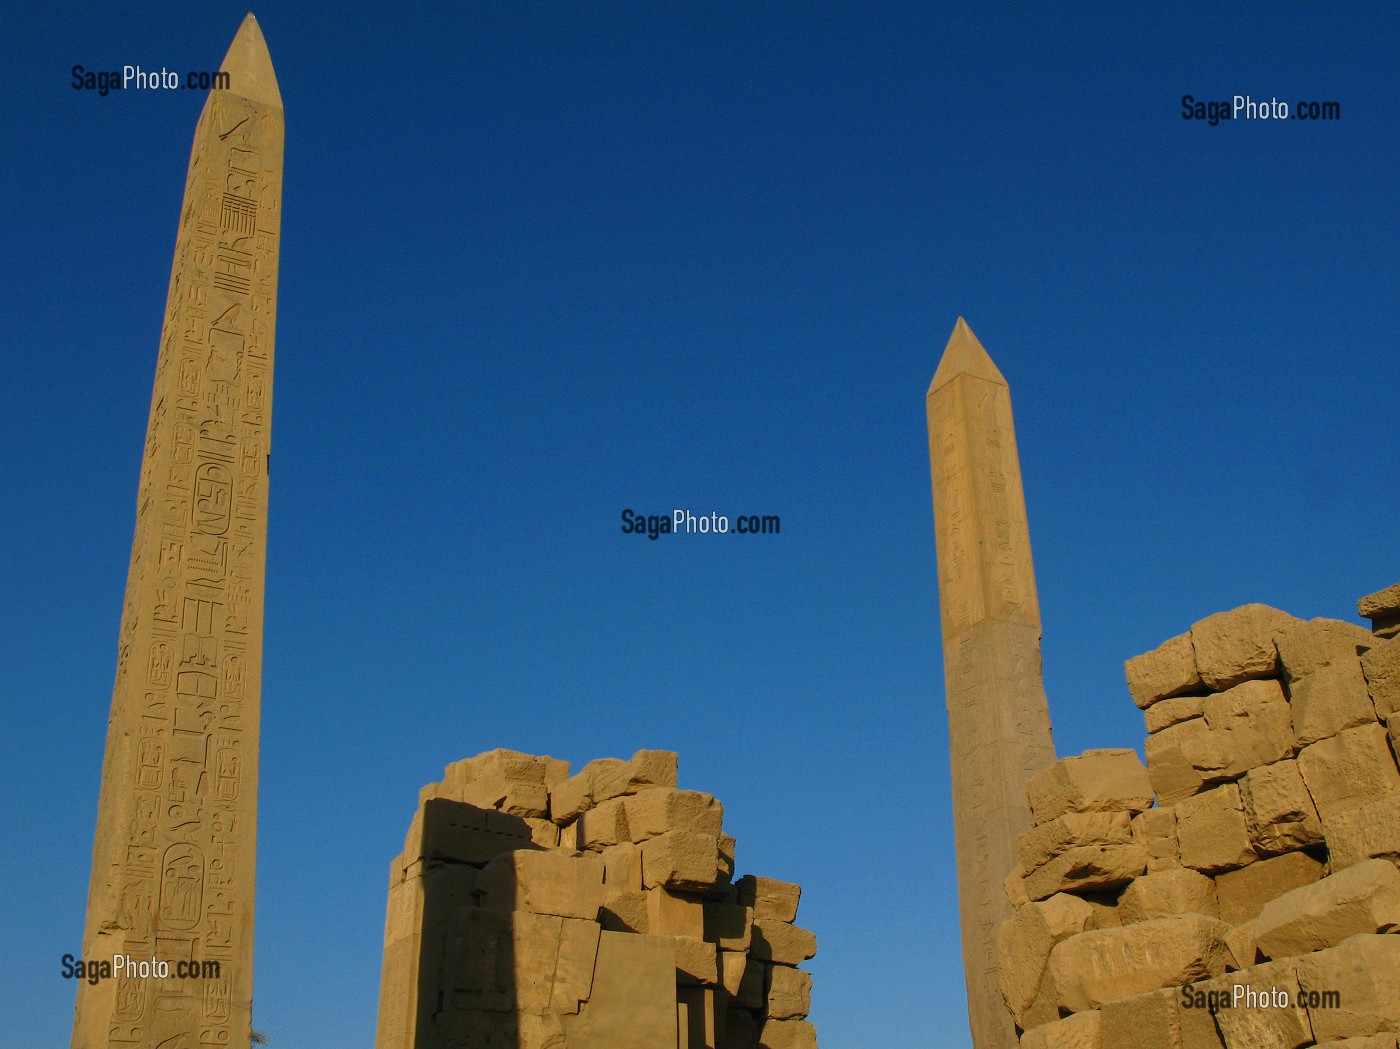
(532, 909)
(1269, 861)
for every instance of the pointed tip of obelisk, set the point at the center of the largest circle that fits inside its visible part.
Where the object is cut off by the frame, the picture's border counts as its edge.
(964, 355)
(249, 66)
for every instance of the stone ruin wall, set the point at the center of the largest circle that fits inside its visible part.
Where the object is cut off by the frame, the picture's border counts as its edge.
(1269, 859)
(531, 909)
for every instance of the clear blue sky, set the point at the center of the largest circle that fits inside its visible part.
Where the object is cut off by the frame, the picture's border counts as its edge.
(542, 262)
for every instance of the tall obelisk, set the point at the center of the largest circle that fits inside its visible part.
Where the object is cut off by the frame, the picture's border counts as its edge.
(998, 717)
(173, 861)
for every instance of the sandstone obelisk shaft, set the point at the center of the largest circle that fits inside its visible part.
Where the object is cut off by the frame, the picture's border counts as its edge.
(173, 860)
(998, 717)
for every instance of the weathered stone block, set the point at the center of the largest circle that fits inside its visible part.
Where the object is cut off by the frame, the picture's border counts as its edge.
(697, 961)
(1183, 758)
(1371, 830)
(1015, 885)
(1238, 645)
(1383, 610)
(740, 1029)
(674, 913)
(1095, 781)
(1024, 942)
(607, 778)
(1381, 668)
(633, 1000)
(1211, 831)
(728, 924)
(1308, 647)
(1257, 1015)
(1242, 944)
(554, 960)
(1148, 1021)
(1257, 725)
(1364, 898)
(1351, 768)
(1087, 867)
(753, 985)
(1243, 893)
(1073, 1032)
(1328, 700)
(1168, 670)
(451, 830)
(787, 1034)
(603, 825)
(1278, 809)
(625, 911)
(1364, 974)
(622, 867)
(1155, 831)
(789, 993)
(1175, 710)
(1103, 966)
(731, 970)
(1167, 894)
(542, 882)
(655, 811)
(1041, 844)
(782, 943)
(769, 897)
(680, 859)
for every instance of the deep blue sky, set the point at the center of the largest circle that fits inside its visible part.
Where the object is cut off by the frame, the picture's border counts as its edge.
(542, 262)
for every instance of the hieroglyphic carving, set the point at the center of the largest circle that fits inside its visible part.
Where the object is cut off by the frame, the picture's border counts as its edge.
(173, 859)
(998, 718)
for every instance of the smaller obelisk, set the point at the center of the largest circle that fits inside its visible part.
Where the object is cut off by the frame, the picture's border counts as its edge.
(998, 717)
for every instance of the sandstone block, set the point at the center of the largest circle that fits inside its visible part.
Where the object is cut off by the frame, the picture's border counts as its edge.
(1364, 973)
(1353, 767)
(1328, 700)
(633, 1000)
(1015, 885)
(1104, 906)
(1374, 1041)
(782, 943)
(1168, 670)
(543, 832)
(624, 911)
(680, 859)
(603, 825)
(753, 985)
(1148, 1021)
(1183, 758)
(1095, 781)
(1243, 893)
(1108, 965)
(1371, 830)
(608, 778)
(1073, 1032)
(769, 897)
(1257, 1015)
(1167, 894)
(574, 795)
(1041, 844)
(1307, 647)
(1087, 867)
(726, 857)
(1155, 831)
(1278, 809)
(554, 959)
(1024, 942)
(622, 867)
(787, 1034)
(789, 993)
(1211, 831)
(1175, 710)
(451, 830)
(570, 886)
(1362, 899)
(507, 780)
(654, 812)
(1257, 722)
(1045, 1008)
(1381, 668)
(728, 924)
(672, 913)
(1383, 610)
(731, 970)
(1243, 946)
(1238, 645)
(697, 962)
